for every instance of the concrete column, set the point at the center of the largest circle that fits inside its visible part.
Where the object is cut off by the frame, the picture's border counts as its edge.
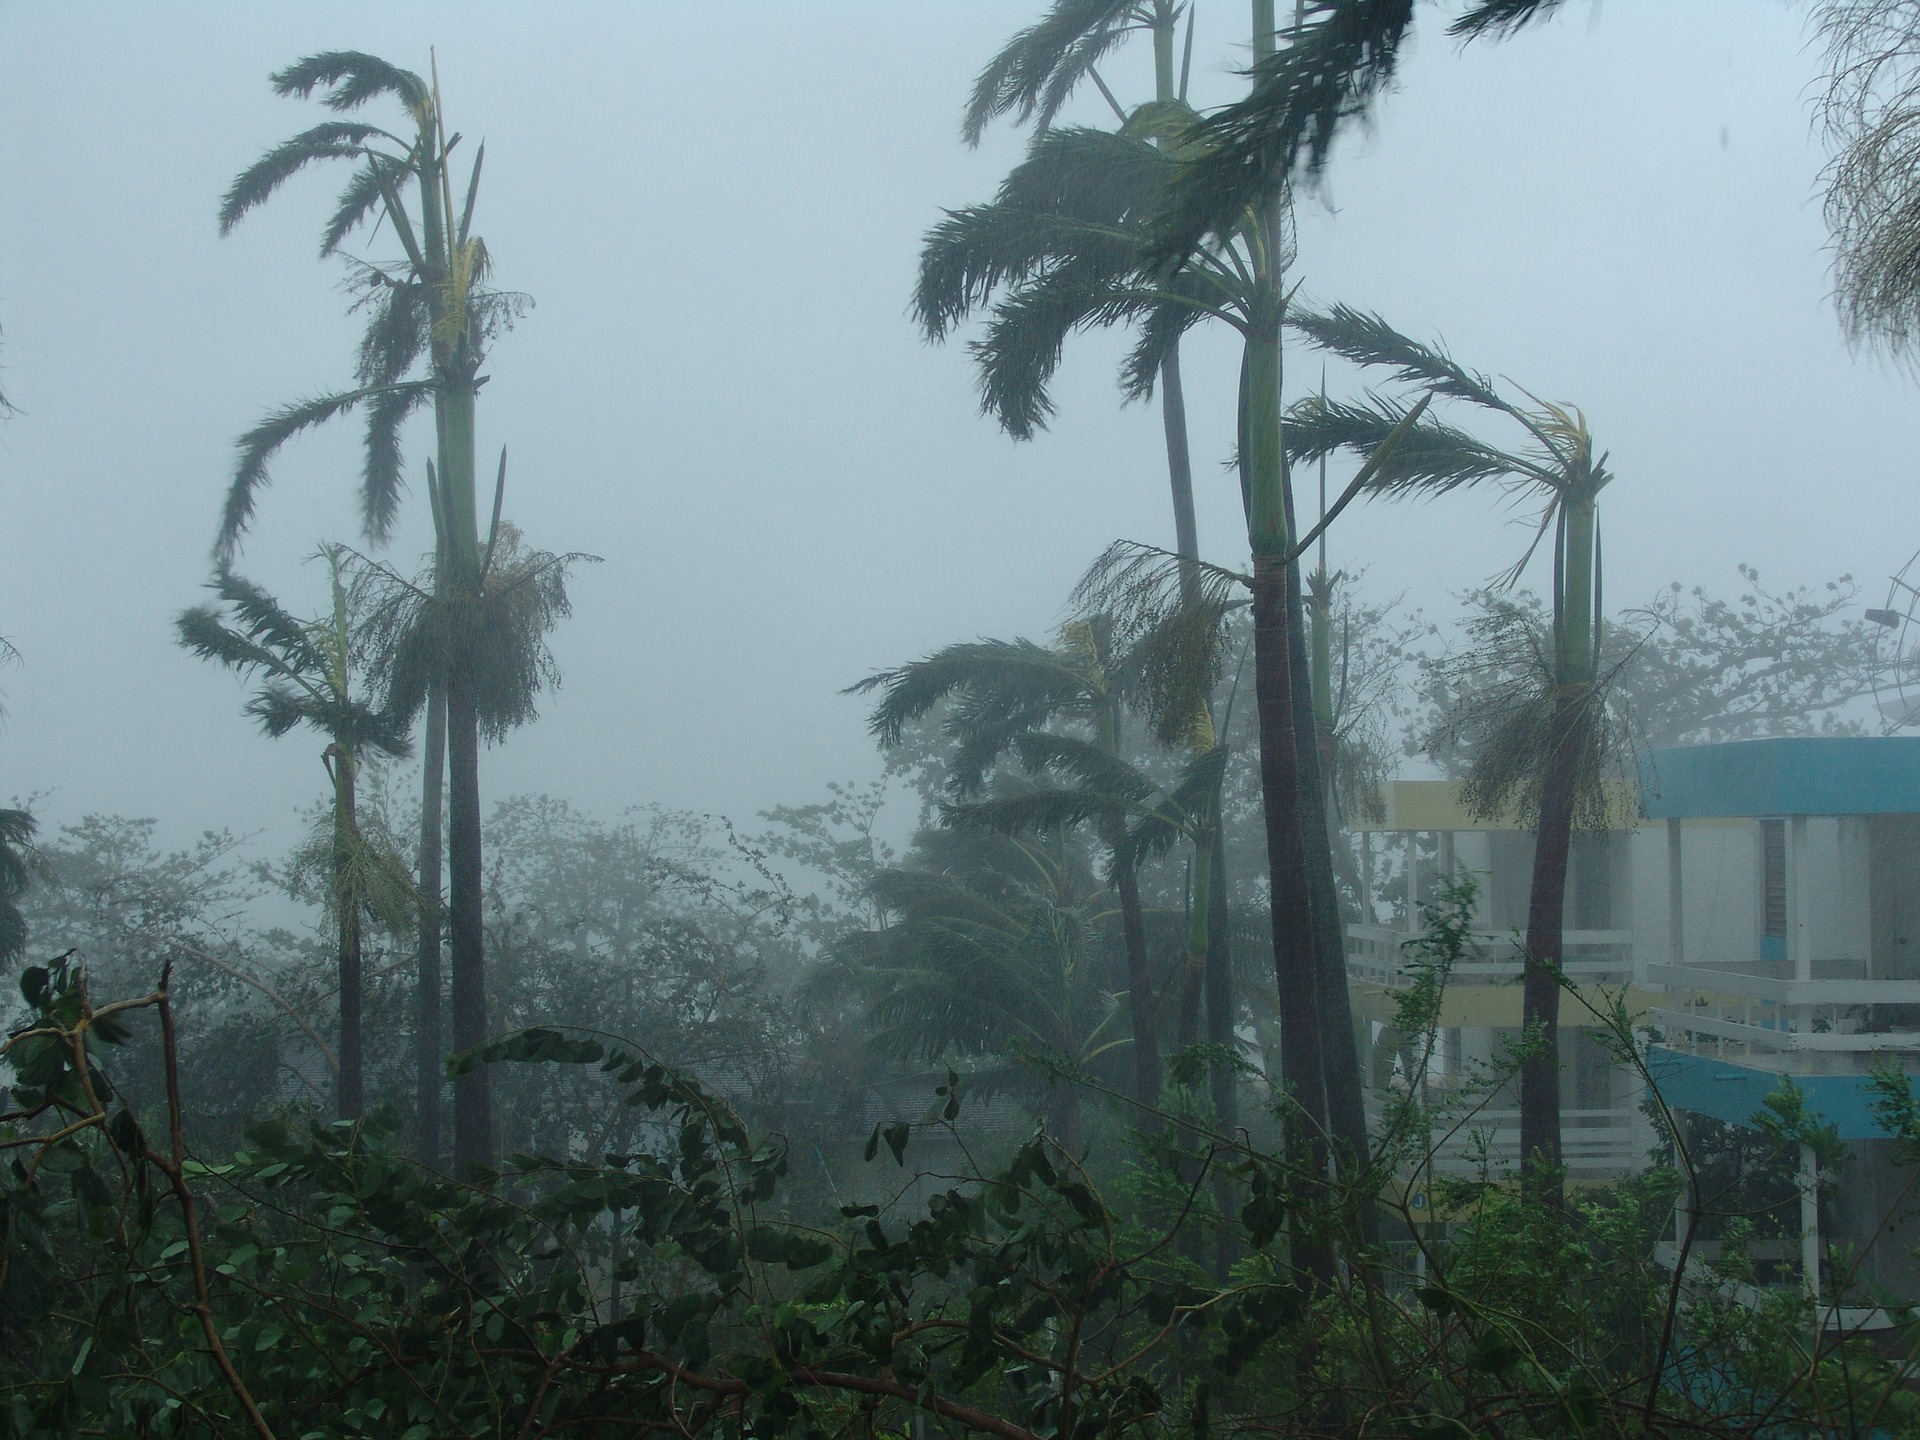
(1413, 882)
(1799, 942)
(1676, 911)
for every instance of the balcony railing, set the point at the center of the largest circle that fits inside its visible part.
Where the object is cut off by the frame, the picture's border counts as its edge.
(1717, 1010)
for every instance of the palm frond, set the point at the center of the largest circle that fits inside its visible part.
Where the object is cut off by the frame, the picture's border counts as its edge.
(354, 76)
(1035, 811)
(362, 193)
(1014, 677)
(1092, 769)
(413, 636)
(1431, 456)
(257, 447)
(1024, 342)
(383, 473)
(1367, 340)
(1182, 301)
(334, 140)
(1182, 814)
(1500, 18)
(1343, 56)
(1037, 70)
(1076, 198)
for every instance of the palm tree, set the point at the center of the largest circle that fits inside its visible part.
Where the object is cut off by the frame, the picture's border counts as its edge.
(1545, 750)
(307, 669)
(17, 862)
(431, 319)
(1340, 57)
(986, 962)
(1031, 78)
(1000, 696)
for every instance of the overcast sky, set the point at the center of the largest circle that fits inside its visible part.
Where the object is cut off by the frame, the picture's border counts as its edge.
(717, 209)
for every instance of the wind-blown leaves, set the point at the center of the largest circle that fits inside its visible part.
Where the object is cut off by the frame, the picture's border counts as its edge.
(333, 140)
(414, 636)
(305, 664)
(257, 447)
(1331, 69)
(18, 863)
(355, 77)
(996, 690)
(1366, 339)
(1037, 70)
(383, 473)
(1432, 457)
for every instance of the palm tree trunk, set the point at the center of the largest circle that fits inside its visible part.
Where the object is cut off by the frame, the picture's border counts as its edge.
(1346, 1105)
(350, 1088)
(1194, 970)
(472, 1092)
(428, 1043)
(1263, 490)
(1173, 421)
(1295, 961)
(1140, 999)
(1540, 1148)
(1576, 609)
(1222, 1011)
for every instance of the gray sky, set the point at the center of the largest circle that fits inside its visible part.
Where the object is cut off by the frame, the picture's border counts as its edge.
(717, 209)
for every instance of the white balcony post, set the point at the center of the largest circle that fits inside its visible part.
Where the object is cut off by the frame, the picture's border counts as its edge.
(1676, 913)
(1800, 951)
(1413, 882)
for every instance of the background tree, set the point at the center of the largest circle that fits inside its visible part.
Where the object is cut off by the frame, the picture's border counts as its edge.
(430, 310)
(986, 963)
(1548, 734)
(1871, 115)
(1000, 695)
(306, 669)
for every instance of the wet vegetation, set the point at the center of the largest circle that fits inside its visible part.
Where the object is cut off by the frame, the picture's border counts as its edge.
(1048, 1121)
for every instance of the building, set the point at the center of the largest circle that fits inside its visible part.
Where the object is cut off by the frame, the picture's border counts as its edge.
(1793, 952)
(1429, 835)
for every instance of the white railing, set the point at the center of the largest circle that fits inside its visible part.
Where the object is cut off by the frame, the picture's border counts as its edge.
(1378, 954)
(1714, 1010)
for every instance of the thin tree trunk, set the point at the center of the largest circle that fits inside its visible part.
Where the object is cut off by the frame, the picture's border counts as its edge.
(472, 1093)
(1346, 1105)
(1140, 999)
(350, 1089)
(1222, 1010)
(1173, 421)
(1194, 969)
(1540, 1149)
(1294, 958)
(429, 1053)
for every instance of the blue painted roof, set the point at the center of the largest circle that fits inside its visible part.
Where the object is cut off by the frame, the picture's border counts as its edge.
(1735, 1093)
(1802, 775)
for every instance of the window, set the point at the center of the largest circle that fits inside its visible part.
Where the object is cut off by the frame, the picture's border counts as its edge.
(1773, 879)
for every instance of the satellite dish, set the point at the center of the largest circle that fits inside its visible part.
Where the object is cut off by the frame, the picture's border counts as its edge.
(1896, 688)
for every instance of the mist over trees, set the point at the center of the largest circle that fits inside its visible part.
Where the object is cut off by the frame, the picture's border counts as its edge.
(1017, 1088)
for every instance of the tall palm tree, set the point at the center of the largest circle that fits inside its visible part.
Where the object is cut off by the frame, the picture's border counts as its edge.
(307, 670)
(1031, 78)
(1545, 751)
(1001, 695)
(990, 963)
(431, 319)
